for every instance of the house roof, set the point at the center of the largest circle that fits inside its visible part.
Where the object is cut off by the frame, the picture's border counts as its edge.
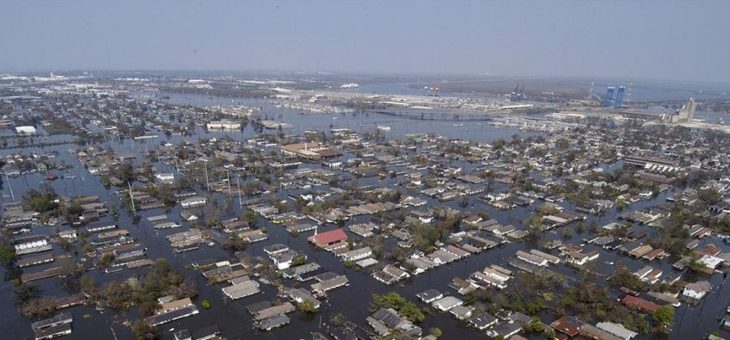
(617, 329)
(699, 286)
(637, 302)
(388, 316)
(567, 325)
(329, 236)
(429, 294)
(482, 320)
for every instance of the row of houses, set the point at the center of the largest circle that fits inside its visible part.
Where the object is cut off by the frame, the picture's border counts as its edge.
(53, 327)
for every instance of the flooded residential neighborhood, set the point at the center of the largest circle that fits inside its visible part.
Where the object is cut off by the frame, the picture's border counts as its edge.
(352, 170)
(136, 207)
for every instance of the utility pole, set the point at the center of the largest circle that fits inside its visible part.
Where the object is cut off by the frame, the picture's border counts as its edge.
(238, 183)
(207, 183)
(10, 187)
(131, 196)
(228, 176)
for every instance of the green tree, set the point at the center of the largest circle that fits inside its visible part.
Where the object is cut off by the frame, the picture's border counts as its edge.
(88, 286)
(235, 242)
(308, 306)
(337, 319)
(664, 315)
(299, 260)
(710, 196)
(7, 253)
(396, 301)
(536, 326)
(40, 201)
(550, 333)
(106, 260)
(205, 304)
(143, 331)
(24, 292)
(623, 277)
(411, 311)
(118, 296)
(250, 216)
(124, 172)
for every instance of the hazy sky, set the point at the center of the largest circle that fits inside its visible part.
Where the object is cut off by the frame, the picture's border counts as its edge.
(687, 40)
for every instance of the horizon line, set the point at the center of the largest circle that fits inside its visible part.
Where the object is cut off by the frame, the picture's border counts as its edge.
(372, 73)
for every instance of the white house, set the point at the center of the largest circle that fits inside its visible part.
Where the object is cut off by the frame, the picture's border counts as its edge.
(188, 216)
(165, 177)
(224, 125)
(531, 258)
(696, 290)
(710, 261)
(580, 258)
(285, 259)
(447, 303)
(32, 242)
(25, 130)
(357, 254)
(193, 202)
(68, 234)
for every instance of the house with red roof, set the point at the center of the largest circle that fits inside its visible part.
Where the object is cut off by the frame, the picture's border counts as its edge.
(567, 325)
(330, 240)
(639, 303)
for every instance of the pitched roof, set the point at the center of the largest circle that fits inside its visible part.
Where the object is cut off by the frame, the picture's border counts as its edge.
(637, 302)
(329, 237)
(567, 325)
